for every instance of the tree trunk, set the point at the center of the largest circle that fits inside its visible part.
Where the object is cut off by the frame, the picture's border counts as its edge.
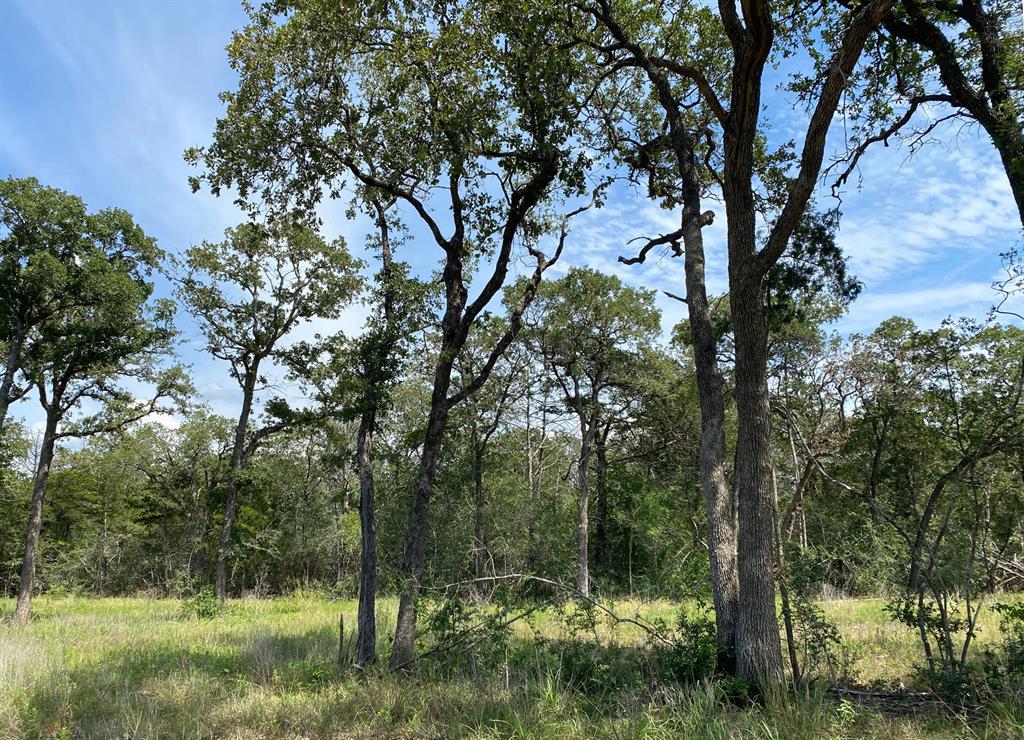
(237, 464)
(718, 504)
(787, 611)
(1009, 142)
(583, 504)
(404, 649)
(721, 534)
(602, 548)
(479, 540)
(758, 649)
(366, 645)
(23, 611)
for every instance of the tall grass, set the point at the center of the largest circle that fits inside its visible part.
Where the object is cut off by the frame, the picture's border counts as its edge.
(268, 669)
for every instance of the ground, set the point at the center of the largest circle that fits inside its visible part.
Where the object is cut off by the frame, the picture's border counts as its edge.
(88, 667)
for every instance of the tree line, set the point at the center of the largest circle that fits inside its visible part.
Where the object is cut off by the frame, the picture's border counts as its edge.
(490, 419)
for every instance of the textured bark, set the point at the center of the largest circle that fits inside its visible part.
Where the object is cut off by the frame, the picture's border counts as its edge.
(758, 649)
(231, 501)
(787, 611)
(366, 647)
(366, 642)
(23, 610)
(721, 534)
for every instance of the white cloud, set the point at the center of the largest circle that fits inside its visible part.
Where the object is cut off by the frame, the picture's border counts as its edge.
(928, 306)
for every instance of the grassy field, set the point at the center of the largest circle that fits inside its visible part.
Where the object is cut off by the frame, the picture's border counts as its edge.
(120, 668)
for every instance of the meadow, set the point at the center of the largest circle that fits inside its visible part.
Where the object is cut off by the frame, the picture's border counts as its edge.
(141, 668)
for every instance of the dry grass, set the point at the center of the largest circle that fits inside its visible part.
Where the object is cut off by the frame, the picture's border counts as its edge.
(267, 669)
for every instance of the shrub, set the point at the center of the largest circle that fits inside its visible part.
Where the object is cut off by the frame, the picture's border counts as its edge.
(204, 604)
(693, 653)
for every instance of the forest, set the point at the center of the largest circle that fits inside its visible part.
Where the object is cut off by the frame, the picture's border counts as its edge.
(516, 497)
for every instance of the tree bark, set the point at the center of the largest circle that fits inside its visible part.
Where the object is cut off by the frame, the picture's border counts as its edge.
(23, 610)
(404, 649)
(718, 508)
(588, 430)
(787, 611)
(237, 464)
(758, 648)
(366, 647)
(366, 642)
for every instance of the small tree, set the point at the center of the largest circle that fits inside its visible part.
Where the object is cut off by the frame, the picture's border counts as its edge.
(591, 331)
(248, 292)
(353, 378)
(105, 333)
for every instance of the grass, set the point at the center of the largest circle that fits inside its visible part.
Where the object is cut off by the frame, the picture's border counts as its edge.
(87, 667)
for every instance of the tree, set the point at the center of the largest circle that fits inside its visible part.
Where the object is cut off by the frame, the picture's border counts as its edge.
(591, 331)
(248, 292)
(108, 333)
(354, 378)
(708, 85)
(466, 114)
(48, 241)
(633, 47)
(934, 55)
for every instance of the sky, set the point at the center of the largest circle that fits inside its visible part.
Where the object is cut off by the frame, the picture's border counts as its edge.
(101, 99)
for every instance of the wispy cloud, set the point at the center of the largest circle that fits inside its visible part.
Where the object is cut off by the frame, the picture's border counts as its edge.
(102, 98)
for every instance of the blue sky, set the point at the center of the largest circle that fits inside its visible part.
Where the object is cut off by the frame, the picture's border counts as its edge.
(101, 99)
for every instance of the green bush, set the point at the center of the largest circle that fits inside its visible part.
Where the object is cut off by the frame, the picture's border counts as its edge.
(693, 652)
(1004, 664)
(204, 604)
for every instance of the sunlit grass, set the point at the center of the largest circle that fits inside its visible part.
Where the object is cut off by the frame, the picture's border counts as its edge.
(88, 667)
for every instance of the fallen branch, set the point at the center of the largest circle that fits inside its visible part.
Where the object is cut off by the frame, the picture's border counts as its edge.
(464, 639)
(646, 626)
